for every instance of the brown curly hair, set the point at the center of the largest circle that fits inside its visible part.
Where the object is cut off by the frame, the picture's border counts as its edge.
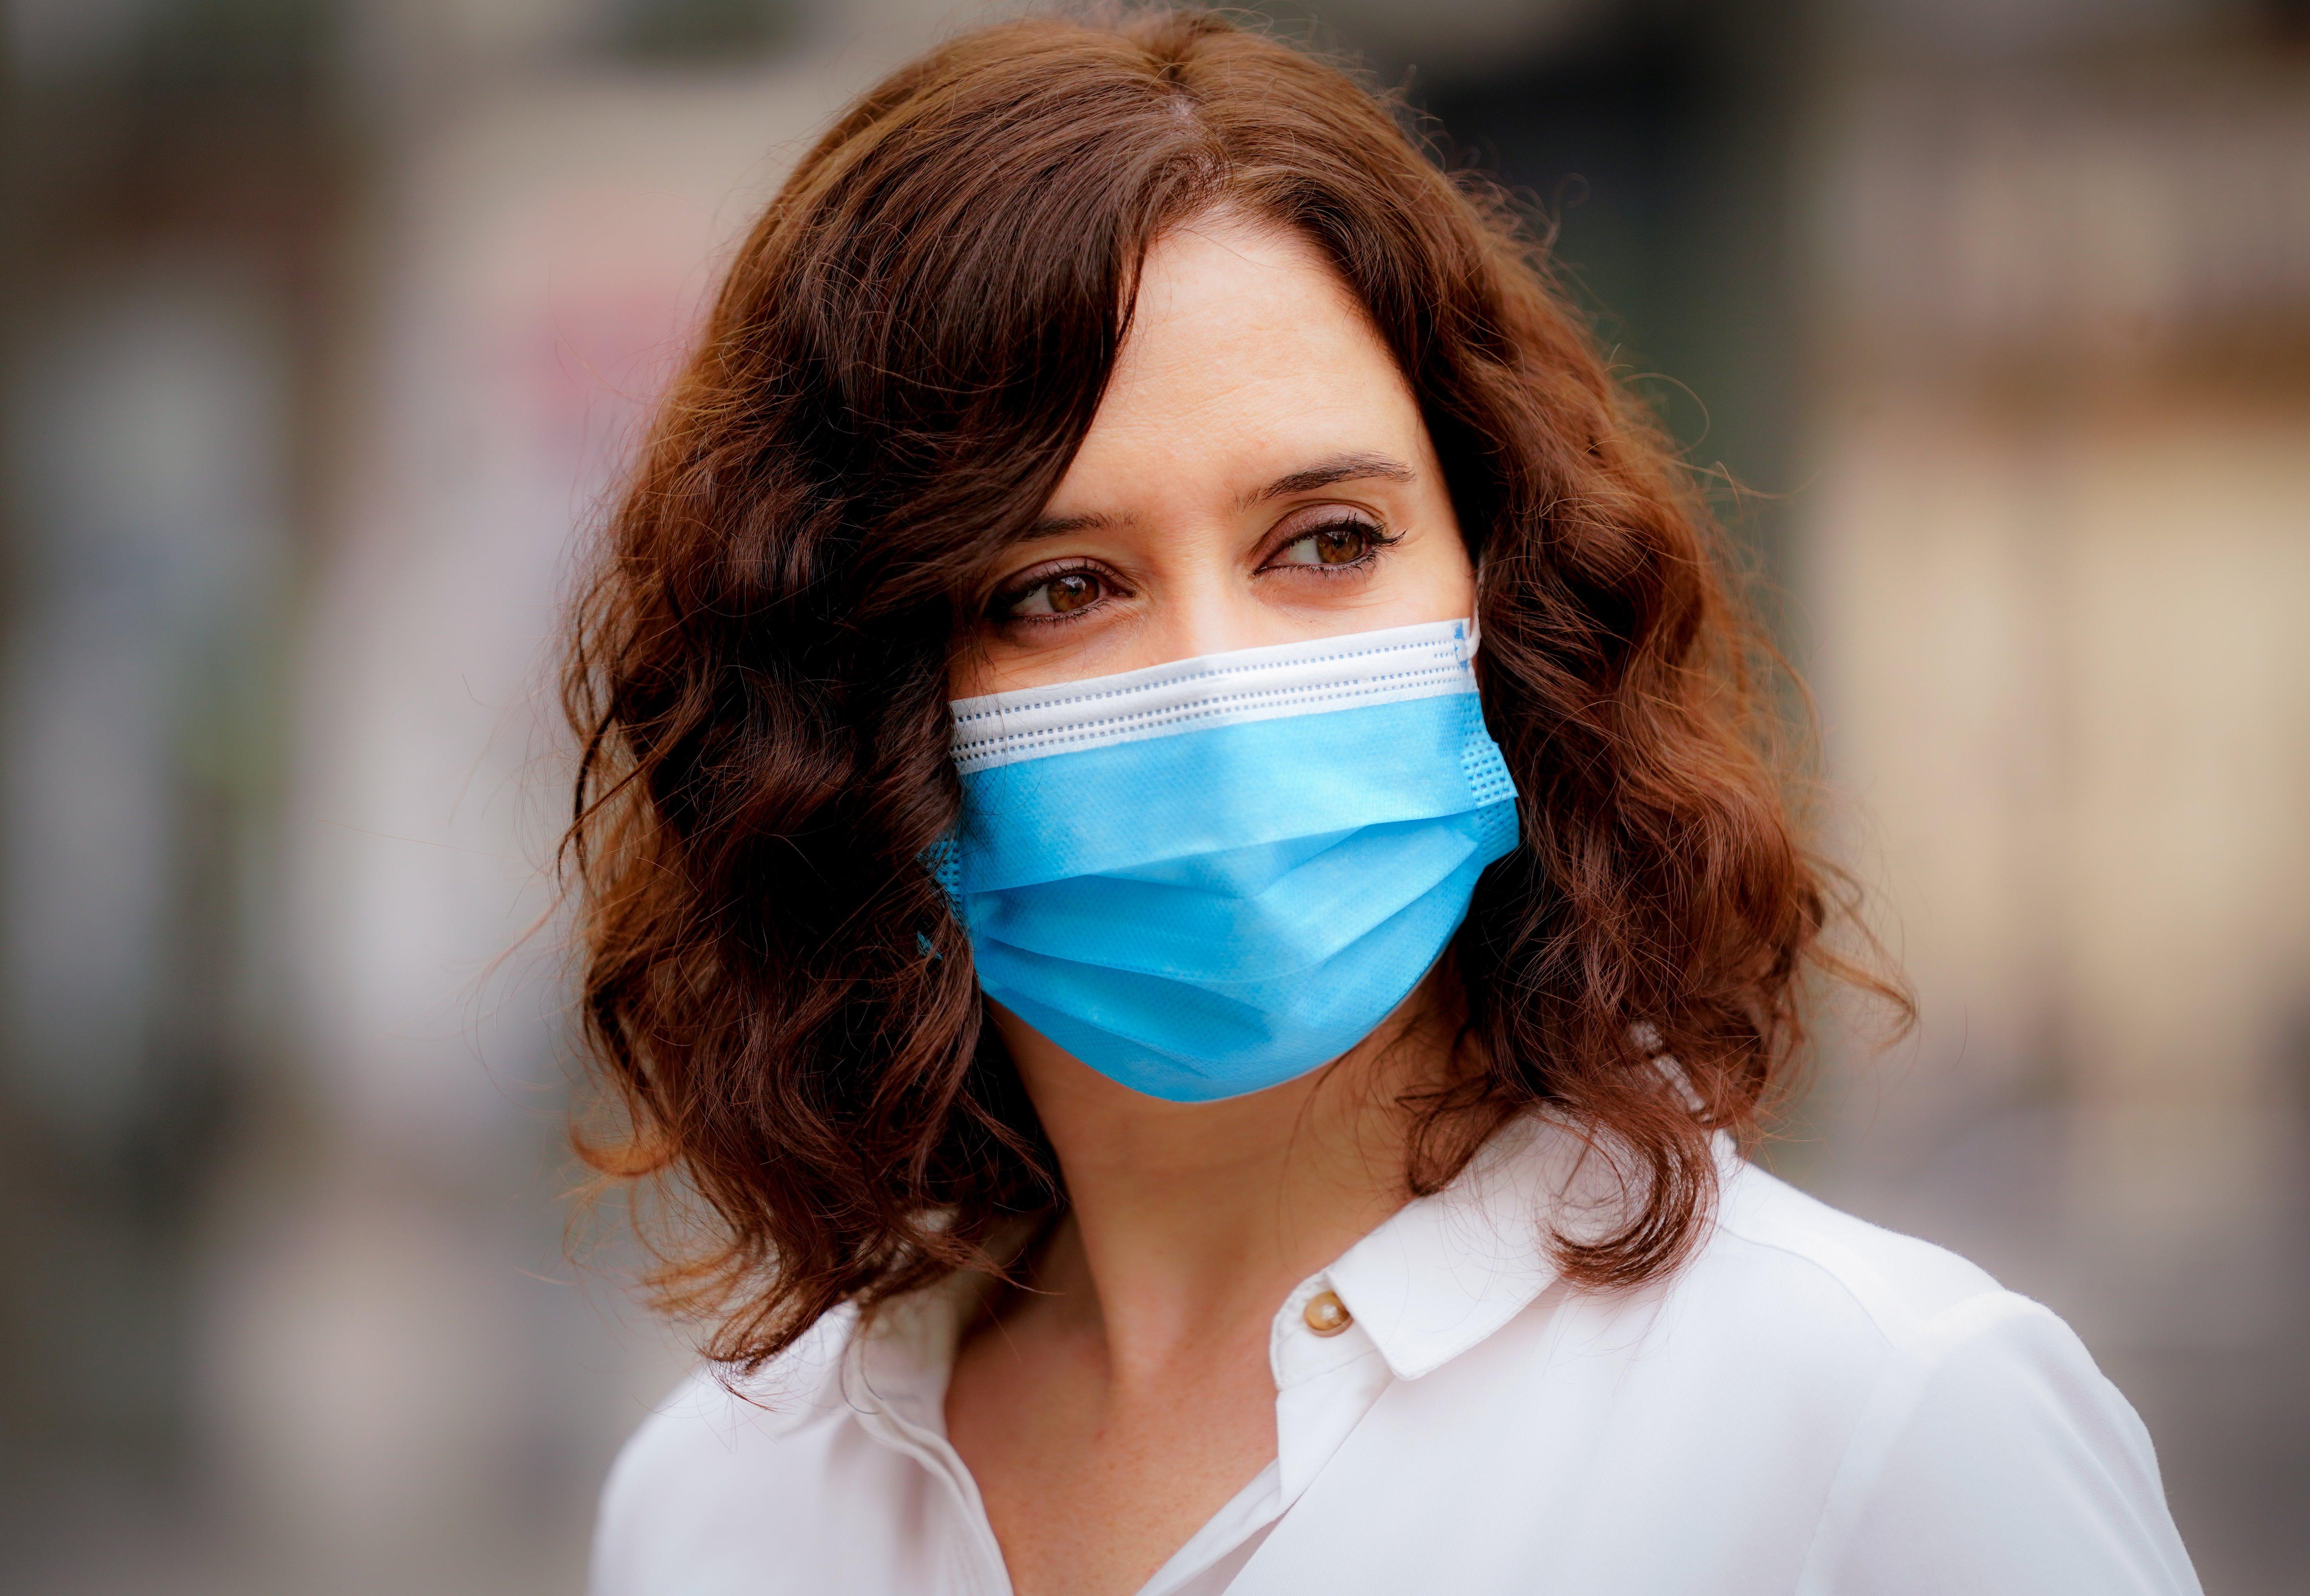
(908, 347)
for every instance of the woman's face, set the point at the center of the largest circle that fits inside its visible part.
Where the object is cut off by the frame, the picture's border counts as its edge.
(1258, 473)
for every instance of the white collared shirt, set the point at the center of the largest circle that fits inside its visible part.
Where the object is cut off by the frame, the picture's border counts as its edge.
(1810, 1405)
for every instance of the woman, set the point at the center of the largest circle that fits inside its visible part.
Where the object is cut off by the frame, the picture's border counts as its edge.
(1177, 871)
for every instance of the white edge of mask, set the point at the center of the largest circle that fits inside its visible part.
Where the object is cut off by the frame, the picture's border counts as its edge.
(1393, 665)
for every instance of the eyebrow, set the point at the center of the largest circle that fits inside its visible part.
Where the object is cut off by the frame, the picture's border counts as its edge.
(1340, 468)
(1052, 527)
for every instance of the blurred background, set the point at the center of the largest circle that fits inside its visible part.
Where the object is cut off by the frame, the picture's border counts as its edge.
(324, 322)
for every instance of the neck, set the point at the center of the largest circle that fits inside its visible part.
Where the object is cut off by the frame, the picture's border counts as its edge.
(1189, 1222)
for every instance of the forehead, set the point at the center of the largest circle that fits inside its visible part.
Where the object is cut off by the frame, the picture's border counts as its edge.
(1245, 350)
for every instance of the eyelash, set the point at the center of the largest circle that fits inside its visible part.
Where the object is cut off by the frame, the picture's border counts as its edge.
(999, 605)
(1371, 530)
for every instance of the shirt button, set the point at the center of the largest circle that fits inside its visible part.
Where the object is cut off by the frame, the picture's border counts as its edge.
(1326, 1314)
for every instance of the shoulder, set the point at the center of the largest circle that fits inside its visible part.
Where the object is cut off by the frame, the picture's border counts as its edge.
(1886, 1289)
(1979, 1445)
(1810, 1296)
(1818, 1307)
(708, 1475)
(1823, 1312)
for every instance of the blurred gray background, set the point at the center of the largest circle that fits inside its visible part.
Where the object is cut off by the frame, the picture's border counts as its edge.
(325, 320)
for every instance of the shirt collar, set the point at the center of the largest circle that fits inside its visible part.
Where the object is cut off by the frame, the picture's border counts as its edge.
(1447, 1269)
(895, 1360)
(1435, 1279)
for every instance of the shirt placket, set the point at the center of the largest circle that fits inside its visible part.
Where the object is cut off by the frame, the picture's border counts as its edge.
(898, 1408)
(1324, 1383)
(1325, 1380)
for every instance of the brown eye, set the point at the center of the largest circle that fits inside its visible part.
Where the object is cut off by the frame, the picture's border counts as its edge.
(1343, 542)
(1065, 593)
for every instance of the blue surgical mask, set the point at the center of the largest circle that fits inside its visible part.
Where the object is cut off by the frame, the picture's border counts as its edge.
(1207, 877)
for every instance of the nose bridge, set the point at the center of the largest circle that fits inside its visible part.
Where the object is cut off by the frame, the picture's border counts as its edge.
(1204, 602)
